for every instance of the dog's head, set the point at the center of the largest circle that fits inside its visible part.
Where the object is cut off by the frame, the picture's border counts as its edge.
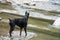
(27, 13)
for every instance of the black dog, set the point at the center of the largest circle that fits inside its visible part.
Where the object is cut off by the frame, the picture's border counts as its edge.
(21, 22)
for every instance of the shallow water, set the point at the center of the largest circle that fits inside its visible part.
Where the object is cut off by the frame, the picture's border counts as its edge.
(32, 14)
(16, 36)
(35, 26)
(48, 5)
(21, 10)
(31, 25)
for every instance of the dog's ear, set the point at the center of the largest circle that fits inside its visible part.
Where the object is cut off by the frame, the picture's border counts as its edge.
(26, 12)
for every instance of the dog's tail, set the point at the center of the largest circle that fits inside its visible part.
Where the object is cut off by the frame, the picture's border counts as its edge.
(9, 19)
(0, 18)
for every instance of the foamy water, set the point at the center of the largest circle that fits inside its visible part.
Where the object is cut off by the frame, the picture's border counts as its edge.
(41, 4)
(56, 24)
(16, 36)
(21, 11)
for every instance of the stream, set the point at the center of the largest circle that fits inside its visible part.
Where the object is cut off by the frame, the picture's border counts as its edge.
(21, 11)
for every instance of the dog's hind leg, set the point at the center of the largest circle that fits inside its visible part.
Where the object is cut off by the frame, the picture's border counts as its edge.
(12, 26)
(20, 30)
